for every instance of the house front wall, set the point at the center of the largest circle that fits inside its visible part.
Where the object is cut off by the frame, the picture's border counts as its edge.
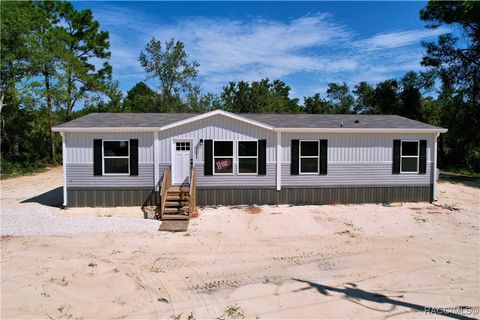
(219, 127)
(79, 161)
(359, 168)
(356, 159)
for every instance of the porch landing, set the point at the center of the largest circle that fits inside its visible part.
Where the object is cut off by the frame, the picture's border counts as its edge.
(174, 225)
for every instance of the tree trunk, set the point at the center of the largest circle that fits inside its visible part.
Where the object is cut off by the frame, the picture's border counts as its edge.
(49, 113)
(69, 99)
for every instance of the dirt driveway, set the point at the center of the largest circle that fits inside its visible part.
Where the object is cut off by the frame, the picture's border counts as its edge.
(331, 262)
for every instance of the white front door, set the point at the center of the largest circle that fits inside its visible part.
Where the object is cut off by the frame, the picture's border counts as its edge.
(181, 162)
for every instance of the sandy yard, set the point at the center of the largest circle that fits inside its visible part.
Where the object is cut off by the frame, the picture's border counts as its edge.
(335, 261)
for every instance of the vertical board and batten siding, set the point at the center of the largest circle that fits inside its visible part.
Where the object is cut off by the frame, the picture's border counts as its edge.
(219, 127)
(356, 159)
(79, 162)
(216, 127)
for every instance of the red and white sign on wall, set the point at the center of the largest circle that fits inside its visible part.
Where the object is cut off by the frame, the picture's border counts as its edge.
(223, 164)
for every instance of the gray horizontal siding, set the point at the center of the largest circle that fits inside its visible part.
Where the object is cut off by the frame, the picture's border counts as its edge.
(349, 174)
(80, 144)
(306, 196)
(356, 147)
(81, 175)
(235, 179)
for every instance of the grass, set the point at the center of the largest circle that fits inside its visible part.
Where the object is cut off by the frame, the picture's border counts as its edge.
(464, 172)
(420, 219)
(232, 312)
(191, 316)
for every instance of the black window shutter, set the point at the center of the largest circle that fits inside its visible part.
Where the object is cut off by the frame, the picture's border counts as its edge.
(134, 157)
(294, 161)
(422, 166)
(262, 157)
(323, 156)
(208, 158)
(396, 157)
(97, 157)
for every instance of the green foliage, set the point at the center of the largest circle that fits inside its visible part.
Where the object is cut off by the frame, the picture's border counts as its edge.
(174, 73)
(141, 99)
(457, 62)
(259, 96)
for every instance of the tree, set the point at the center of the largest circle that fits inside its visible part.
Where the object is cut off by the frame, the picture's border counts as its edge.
(141, 99)
(386, 97)
(170, 66)
(365, 98)
(18, 21)
(258, 96)
(458, 64)
(317, 105)
(46, 59)
(340, 98)
(84, 43)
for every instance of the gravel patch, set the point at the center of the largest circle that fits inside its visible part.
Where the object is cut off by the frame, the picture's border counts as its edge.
(39, 221)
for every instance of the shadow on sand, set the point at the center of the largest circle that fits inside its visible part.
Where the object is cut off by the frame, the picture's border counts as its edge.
(52, 198)
(357, 295)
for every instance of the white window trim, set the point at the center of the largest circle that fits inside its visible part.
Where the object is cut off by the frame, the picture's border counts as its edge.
(115, 157)
(246, 157)
(229, 157)
(402, 156)
(308, 157)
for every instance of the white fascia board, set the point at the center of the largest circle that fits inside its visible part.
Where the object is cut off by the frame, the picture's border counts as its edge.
(359, 130)
(217, 112)
(105, 129)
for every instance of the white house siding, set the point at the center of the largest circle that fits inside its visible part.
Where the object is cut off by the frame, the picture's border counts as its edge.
(356, 159)
(80, 145)
(219, 127)
(215, 127)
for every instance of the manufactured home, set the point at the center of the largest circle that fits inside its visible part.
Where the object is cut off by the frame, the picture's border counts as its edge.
(125, 159)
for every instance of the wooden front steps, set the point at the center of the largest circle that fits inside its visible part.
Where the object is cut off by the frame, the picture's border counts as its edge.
(176, 205)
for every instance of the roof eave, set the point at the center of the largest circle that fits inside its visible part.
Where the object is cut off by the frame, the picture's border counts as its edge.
(218, 112)
(105, 129)
(363, 130)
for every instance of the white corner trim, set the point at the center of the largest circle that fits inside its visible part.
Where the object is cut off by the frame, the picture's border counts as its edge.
(279, 161)
(156, 158)
(218, 112)
(64, 164)
(434, 191)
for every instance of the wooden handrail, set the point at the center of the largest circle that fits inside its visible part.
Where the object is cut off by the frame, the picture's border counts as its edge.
(166, 184)
(192, 192)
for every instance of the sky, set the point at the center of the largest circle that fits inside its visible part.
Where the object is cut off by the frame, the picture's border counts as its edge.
(305, 44)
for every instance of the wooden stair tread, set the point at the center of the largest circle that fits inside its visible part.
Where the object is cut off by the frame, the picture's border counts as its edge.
(180, 203)
(175, 211)
(174, 217)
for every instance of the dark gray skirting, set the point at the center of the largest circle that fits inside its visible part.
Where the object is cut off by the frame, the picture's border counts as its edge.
(304, 196)
(105, 197)
(109, 197)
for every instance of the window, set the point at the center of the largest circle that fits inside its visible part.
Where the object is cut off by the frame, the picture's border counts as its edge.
(409, 156)
(309, 155)
(223, 157)
(182, 146)
(116, 157)
(247, 157)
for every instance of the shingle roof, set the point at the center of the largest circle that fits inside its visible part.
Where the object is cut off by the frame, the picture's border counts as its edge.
(131, 120)
(156, 120)
(337, 121)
